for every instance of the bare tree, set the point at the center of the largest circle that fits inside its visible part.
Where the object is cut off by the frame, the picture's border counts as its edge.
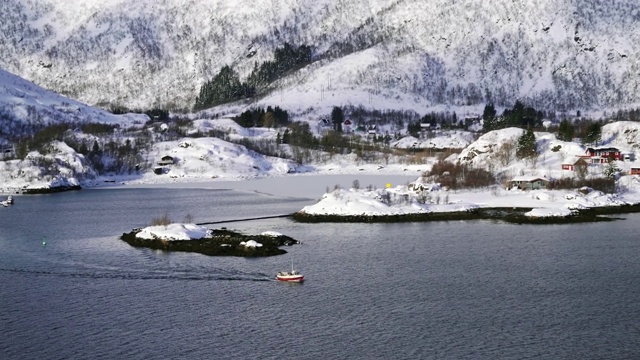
(506, 153)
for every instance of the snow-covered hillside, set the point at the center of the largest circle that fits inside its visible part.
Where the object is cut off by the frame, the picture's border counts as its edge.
(496, 151)
(402, 54)
(62, 167)
(133, 154)
(22, 102)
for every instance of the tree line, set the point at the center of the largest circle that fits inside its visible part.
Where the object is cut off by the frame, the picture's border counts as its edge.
(227, 86)
(271, 117)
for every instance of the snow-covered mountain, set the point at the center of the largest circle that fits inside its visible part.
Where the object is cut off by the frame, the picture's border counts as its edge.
(556, 54)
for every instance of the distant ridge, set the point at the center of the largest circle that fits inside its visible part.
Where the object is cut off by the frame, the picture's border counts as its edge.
(557, 55)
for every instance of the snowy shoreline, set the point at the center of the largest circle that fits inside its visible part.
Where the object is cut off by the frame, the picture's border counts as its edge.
(505, 214)
(399, 203)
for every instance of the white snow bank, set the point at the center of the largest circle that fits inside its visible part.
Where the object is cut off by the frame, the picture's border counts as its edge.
(251, 243)
(271, 233)
(174, 232)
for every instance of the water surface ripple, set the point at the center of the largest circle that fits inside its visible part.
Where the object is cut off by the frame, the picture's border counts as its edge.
(449, 290)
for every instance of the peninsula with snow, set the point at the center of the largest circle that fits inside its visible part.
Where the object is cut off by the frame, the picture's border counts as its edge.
(558, 181)
(420, 201)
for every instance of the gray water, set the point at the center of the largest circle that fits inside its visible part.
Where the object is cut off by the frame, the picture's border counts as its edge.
(447, 290)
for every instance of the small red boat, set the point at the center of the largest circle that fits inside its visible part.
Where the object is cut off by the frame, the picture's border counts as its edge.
(290, 276)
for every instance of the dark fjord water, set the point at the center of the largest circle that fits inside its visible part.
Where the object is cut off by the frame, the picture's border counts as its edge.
(449, 290)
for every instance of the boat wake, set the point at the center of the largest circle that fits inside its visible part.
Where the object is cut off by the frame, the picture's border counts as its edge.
(144, 275)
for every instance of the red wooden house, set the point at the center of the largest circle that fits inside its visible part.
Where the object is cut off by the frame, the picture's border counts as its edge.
(572, 165)
(605, 153)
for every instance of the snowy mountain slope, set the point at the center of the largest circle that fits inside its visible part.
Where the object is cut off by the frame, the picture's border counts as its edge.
(567, 54)
(624, 135)
(22, 102)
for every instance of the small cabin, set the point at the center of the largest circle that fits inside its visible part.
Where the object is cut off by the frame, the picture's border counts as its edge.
(166, 160)
(634, 170)
(575, 164)
(528, 183)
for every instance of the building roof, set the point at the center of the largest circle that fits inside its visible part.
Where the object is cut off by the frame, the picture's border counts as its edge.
(602, 149)
(575, 161)
(528, 178)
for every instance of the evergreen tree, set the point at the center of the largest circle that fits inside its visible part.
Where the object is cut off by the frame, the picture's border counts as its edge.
(225, 86)
(489, 118)
(611, 170)
(565, 131)
(84, 150)
(414, 129)
(245, 119)
(594, 134)
(282, 116)
(337, 117)
(526, 145)
(286, 137)
(96, 148)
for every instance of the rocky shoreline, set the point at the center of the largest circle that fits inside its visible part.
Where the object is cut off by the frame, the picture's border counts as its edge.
(222, 242)
(42, 190)
(51, 190)
(515, 215)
